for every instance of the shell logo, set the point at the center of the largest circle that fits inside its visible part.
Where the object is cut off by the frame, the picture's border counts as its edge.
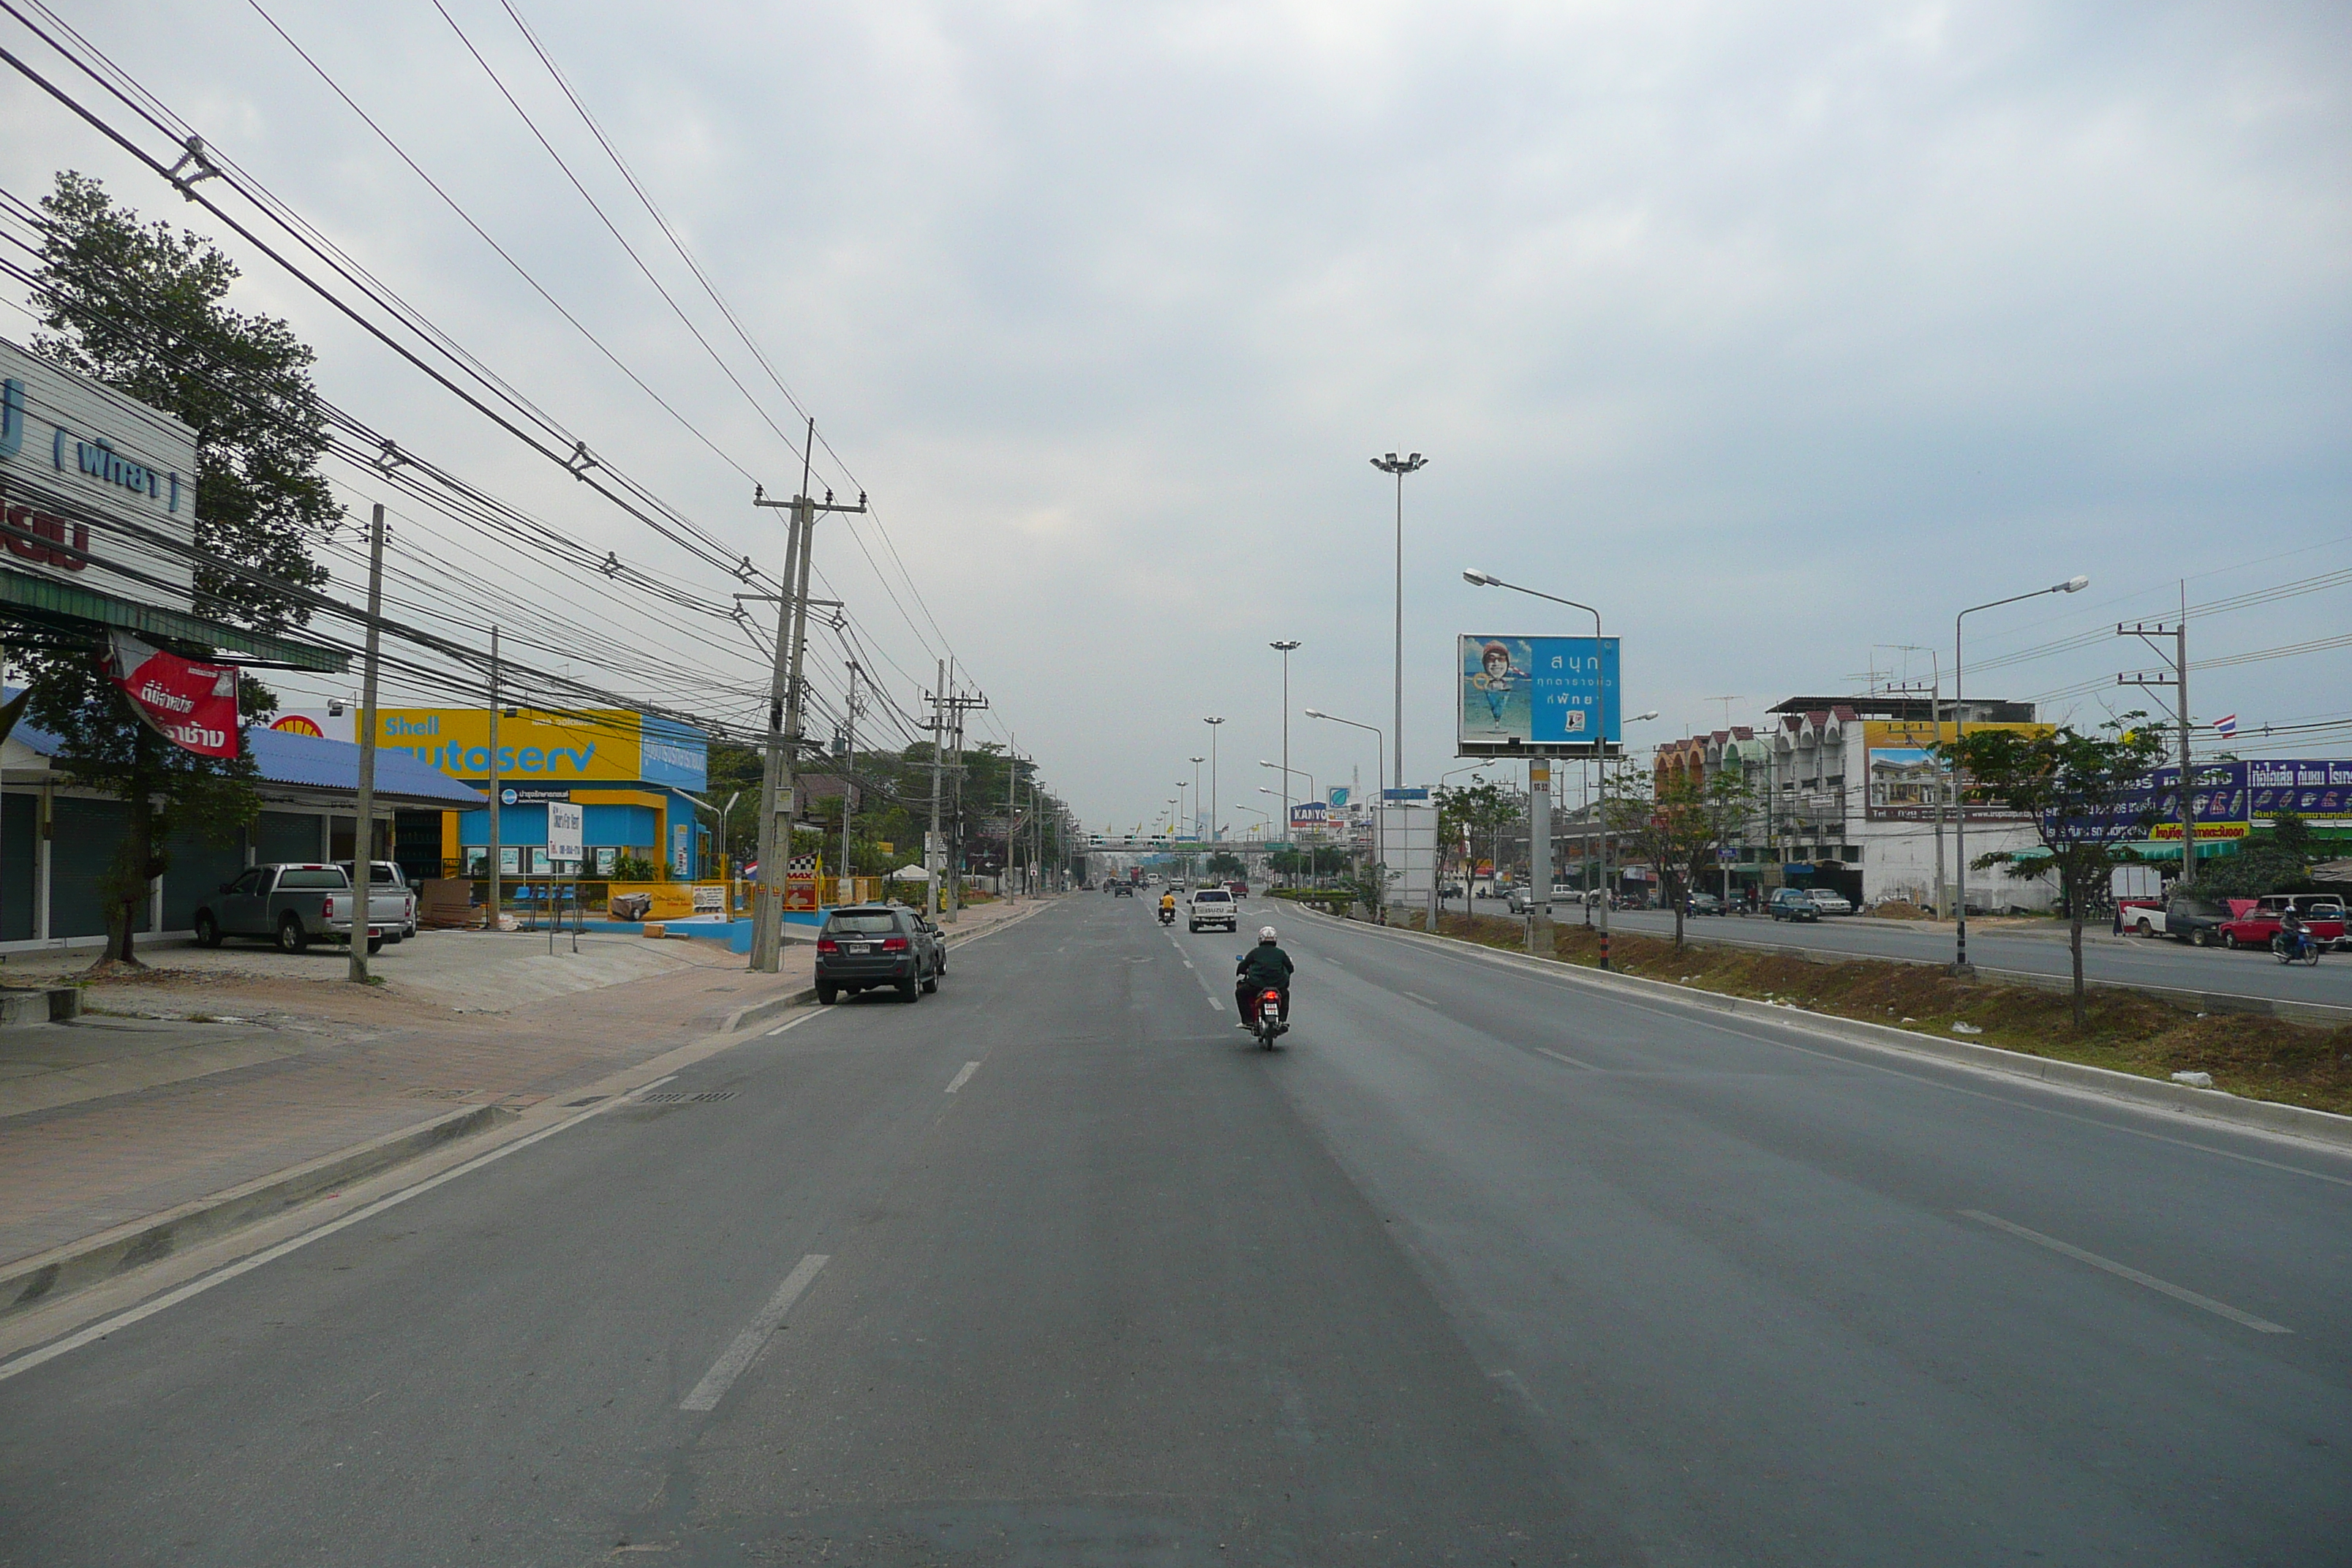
(295, 724)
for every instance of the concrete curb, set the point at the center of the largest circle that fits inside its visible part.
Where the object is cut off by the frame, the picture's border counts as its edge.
(2202, 1104)
(2208, 1001)
(43, 1278)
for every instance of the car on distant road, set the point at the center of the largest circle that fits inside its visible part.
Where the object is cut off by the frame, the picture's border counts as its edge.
(2252, 923)
(2192, 918)
(293, 904)
(865, 947)
(1792, 904)
(1705, 904)
(1522, 894)
(1122, 890)
(1830, 901)
(1213, 907)
(1238, 888)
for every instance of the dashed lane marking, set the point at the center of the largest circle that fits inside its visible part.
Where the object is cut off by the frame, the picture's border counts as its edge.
(752, 1339)
(962, 1077)
(2124, 1271)
(1545, 1051)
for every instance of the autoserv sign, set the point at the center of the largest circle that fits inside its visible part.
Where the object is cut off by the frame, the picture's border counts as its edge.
(550, 748)
(81, 467)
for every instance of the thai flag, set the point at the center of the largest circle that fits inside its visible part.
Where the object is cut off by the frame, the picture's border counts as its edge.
(2226, 725)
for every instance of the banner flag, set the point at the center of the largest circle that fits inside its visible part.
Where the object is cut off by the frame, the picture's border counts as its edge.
(194, 705)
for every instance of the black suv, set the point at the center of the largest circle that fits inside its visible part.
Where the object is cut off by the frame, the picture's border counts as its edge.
(877, 945)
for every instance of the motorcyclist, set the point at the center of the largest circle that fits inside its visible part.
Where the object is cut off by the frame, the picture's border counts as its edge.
(1167, 905)
(2292, 935)
(1263, 966)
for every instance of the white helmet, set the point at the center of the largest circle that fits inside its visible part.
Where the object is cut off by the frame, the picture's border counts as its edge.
(1266, 933)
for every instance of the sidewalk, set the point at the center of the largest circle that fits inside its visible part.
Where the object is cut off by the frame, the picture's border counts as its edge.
(225, 1066)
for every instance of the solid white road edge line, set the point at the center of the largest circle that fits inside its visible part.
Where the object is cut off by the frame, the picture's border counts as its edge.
(748, 1344)
(962, 1077)
(2123, 1272)
(1571, 1061)
(145, 1309)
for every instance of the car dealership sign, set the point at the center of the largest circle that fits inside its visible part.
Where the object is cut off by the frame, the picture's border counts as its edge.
(90, 480)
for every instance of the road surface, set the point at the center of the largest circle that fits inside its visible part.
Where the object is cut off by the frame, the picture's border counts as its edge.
(1056, 1268)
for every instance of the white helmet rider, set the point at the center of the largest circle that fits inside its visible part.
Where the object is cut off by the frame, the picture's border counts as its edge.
(1266, 933)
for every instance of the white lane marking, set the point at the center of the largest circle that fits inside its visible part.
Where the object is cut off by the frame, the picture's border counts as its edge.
(1420, 998)
(1571, 1061)
(2124, 1271)
(963, 1078)
(748, 1344)
(1759, 1033)
(781, 1029)
(145, 1309)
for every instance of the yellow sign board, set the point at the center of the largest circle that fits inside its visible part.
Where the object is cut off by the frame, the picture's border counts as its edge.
(577, 745)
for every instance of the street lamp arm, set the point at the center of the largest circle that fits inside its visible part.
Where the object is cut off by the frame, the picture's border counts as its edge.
(1488, 580)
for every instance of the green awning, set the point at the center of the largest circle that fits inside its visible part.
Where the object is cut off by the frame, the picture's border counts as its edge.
(66, 606)
(2206, 849)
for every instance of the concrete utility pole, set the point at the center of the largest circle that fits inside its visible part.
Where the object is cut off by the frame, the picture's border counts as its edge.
(2147, 632)
(1012, 812)
(498, 853)
(933, 850)
(363, 840)
(784, 710)
(957, 707)
(1393, 464)
(848, 883)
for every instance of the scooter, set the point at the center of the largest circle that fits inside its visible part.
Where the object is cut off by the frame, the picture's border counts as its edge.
(1167, 916)
(2294, 947)
(1266, 1026)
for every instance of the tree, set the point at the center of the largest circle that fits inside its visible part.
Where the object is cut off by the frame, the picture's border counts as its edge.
(1680, 830)
(1482, 809)
(2281, 866)
(1222, 864)
(139, 308)
(2087, 794)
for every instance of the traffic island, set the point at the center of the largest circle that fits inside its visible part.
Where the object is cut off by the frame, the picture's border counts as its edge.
(2247, 1055)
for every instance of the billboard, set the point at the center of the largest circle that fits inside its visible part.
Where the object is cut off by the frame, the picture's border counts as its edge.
(583, 746)
(1902, 782)
(68, 442)
(1535, 696)
(2318, 791)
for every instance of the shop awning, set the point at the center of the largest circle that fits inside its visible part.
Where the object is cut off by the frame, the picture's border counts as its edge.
(68, 607)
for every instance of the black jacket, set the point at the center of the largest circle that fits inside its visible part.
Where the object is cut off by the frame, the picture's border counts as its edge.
(1266, 964)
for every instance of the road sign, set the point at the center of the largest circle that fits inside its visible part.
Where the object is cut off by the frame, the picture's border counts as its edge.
(565, 829)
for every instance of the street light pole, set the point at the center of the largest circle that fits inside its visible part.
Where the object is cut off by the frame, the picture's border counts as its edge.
(1411, 462)
(1215, 833)
(1285, 647)
(1959, 773)
(1196, 797)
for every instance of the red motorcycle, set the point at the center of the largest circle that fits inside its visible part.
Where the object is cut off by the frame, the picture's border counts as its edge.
(1265, 1019)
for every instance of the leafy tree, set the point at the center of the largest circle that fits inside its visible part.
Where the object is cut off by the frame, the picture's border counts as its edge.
(1679, 829)
(139, 308)
(1477, 811)
(2087, 795)
(2281, 866)
(1223, 865)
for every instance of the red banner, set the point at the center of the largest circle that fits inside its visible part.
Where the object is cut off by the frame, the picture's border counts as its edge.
(194, 704)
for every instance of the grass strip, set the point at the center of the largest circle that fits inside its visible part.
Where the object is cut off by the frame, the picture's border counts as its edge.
(2127, 1031)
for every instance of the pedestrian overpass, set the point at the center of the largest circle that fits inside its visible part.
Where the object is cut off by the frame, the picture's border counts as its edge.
(1241, 848)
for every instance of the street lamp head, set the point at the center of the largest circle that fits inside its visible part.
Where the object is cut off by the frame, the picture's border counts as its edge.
(1315, 713)
(1638, 718)
(1212, 719)
(2073, 584)
(1478, 579)
(1283, 647)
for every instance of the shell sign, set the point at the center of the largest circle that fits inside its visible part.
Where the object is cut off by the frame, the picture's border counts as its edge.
(299, 724)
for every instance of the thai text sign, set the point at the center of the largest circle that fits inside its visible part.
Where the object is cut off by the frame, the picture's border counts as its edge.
(2321, 790)
(80, 465)
(1542, 696)
(194, 705)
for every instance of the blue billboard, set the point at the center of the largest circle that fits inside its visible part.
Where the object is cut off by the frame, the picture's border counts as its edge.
(1536, 695)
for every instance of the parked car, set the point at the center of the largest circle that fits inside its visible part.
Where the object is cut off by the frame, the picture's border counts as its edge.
(1521, 895)
(2252, 923)
(1792, 904)
(2190, 918)
(1705, 904)
(1830, 901)
(391, 901)
(1213, 907)
(868, 946)
(292, 904)
(2142, 917)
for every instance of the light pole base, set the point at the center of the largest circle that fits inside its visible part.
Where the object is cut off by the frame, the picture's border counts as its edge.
(1961, 971)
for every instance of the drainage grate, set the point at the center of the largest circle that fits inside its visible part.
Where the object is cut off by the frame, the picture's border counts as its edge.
(706, 1098)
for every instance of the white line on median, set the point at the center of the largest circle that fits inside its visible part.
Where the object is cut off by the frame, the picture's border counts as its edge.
(1571, 1061)
(748, 1343)
(2122, 1271)
(100, 1330)
(963, 1078)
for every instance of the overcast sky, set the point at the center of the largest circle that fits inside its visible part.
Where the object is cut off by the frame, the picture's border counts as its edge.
(1781, 332)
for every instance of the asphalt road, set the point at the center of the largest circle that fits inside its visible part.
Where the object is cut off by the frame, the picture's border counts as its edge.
(2124, 960)
(1480, 1268)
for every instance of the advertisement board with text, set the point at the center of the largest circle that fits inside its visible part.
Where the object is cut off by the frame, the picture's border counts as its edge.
(1536, 695)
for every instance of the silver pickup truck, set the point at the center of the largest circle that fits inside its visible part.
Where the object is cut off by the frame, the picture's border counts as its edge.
(291, 905)
(392, 901)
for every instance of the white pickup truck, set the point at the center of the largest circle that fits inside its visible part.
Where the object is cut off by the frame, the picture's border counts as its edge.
(293, 905)
(391, 901)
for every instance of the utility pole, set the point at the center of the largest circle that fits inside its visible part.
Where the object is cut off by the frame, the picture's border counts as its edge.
(363, 840)
(932, 848)
(497, 854)
(848, 891)
(784, 708)
(2147, 632)
(1012, 810)
(958, 706)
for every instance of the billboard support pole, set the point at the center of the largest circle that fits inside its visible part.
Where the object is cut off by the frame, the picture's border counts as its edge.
(1540, 872)
(497, 851)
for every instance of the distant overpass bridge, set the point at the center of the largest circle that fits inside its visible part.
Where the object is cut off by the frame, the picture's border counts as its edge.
(1101, 844)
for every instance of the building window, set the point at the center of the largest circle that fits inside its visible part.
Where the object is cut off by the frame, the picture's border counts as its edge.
(1851, 854)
